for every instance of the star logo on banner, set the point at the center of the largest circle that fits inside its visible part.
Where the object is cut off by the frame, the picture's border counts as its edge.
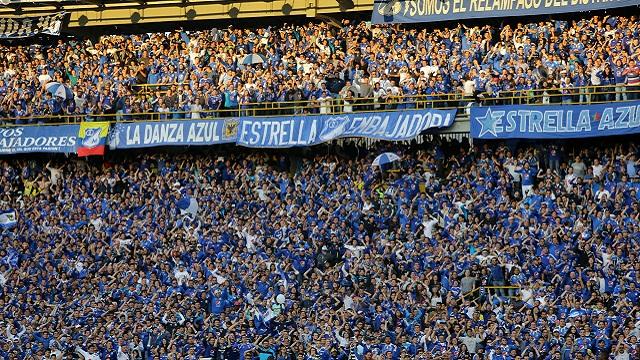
(487, 124)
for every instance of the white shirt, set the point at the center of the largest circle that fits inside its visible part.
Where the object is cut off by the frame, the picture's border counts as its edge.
(428, 228)
(97, 223)
(87, 355)
(602, 193)
(325, 104)
(182, 276)
(44, 78)
(623, 356)
(348, 302)
(568, 180)
(195, 111)
(122, 355)
(55, 174)
(597, 170)
(428, 70)
(469, 88)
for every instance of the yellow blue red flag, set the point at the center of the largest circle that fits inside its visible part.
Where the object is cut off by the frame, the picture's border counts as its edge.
(92, 138)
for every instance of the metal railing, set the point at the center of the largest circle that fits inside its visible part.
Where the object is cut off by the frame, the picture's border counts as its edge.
(575, 95)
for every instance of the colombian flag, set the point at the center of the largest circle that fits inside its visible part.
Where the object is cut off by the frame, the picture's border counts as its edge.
(92, 138)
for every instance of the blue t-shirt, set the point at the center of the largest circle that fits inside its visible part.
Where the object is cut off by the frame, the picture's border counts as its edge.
(527, 176)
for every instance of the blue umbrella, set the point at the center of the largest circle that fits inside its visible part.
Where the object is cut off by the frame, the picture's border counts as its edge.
(253, 59)
(58, 89)
(385, 158)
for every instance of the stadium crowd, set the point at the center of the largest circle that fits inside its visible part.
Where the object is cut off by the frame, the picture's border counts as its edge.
(320, 255)
(330, 67)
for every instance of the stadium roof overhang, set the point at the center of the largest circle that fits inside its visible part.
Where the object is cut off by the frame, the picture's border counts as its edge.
(122, 12)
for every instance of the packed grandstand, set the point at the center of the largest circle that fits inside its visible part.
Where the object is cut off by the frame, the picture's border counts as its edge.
(321, 68)
(431, 246)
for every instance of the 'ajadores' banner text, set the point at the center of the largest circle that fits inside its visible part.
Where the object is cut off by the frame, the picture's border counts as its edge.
(38, 139)
(555, 122)
(409, 11)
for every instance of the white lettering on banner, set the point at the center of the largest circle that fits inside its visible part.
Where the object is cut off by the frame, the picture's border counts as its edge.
(202, 132)
(312, 130)
(278, 132)
(11, 132)
(20, 140)
(403, 127)
(554, 120)
(164, 133)
(584, 122)
(634, 117)
(511, 123)
(133, 139)
(48, 141)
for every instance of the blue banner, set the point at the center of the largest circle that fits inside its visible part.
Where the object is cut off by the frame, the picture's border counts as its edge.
(172, 133)
(38, 139)
(555, 122)
(315, 129)
(411, 11)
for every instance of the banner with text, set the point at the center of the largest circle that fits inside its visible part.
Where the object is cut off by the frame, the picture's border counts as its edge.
(555, 122)
(35, 139)
(315, 129)
(173, 133)
(13, 28)
(411, 11)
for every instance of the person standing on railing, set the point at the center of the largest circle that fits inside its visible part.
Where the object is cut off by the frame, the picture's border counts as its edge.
(393, 95)
(126, 109)
(196, 108)
(566, 89)
(347, 102)
(366, 92)
(325, 102)
(620, 80)
(245, 104)
(632, 72)
(596, 71)
(469, 88)
(162, 109)
(296, 99)
(411, 93)
(214, 102)
(430, 91)
(313, 105)
(608, 81)
(19, 114)
(580, 81)
(181, 106)
(281, 98)
(379, 96)
(231, 100)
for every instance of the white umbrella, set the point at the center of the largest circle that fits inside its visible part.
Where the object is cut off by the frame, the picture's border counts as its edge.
(60, 90)
(385, 158)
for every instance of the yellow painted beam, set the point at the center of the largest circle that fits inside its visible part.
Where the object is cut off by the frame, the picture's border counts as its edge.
(166, 10)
